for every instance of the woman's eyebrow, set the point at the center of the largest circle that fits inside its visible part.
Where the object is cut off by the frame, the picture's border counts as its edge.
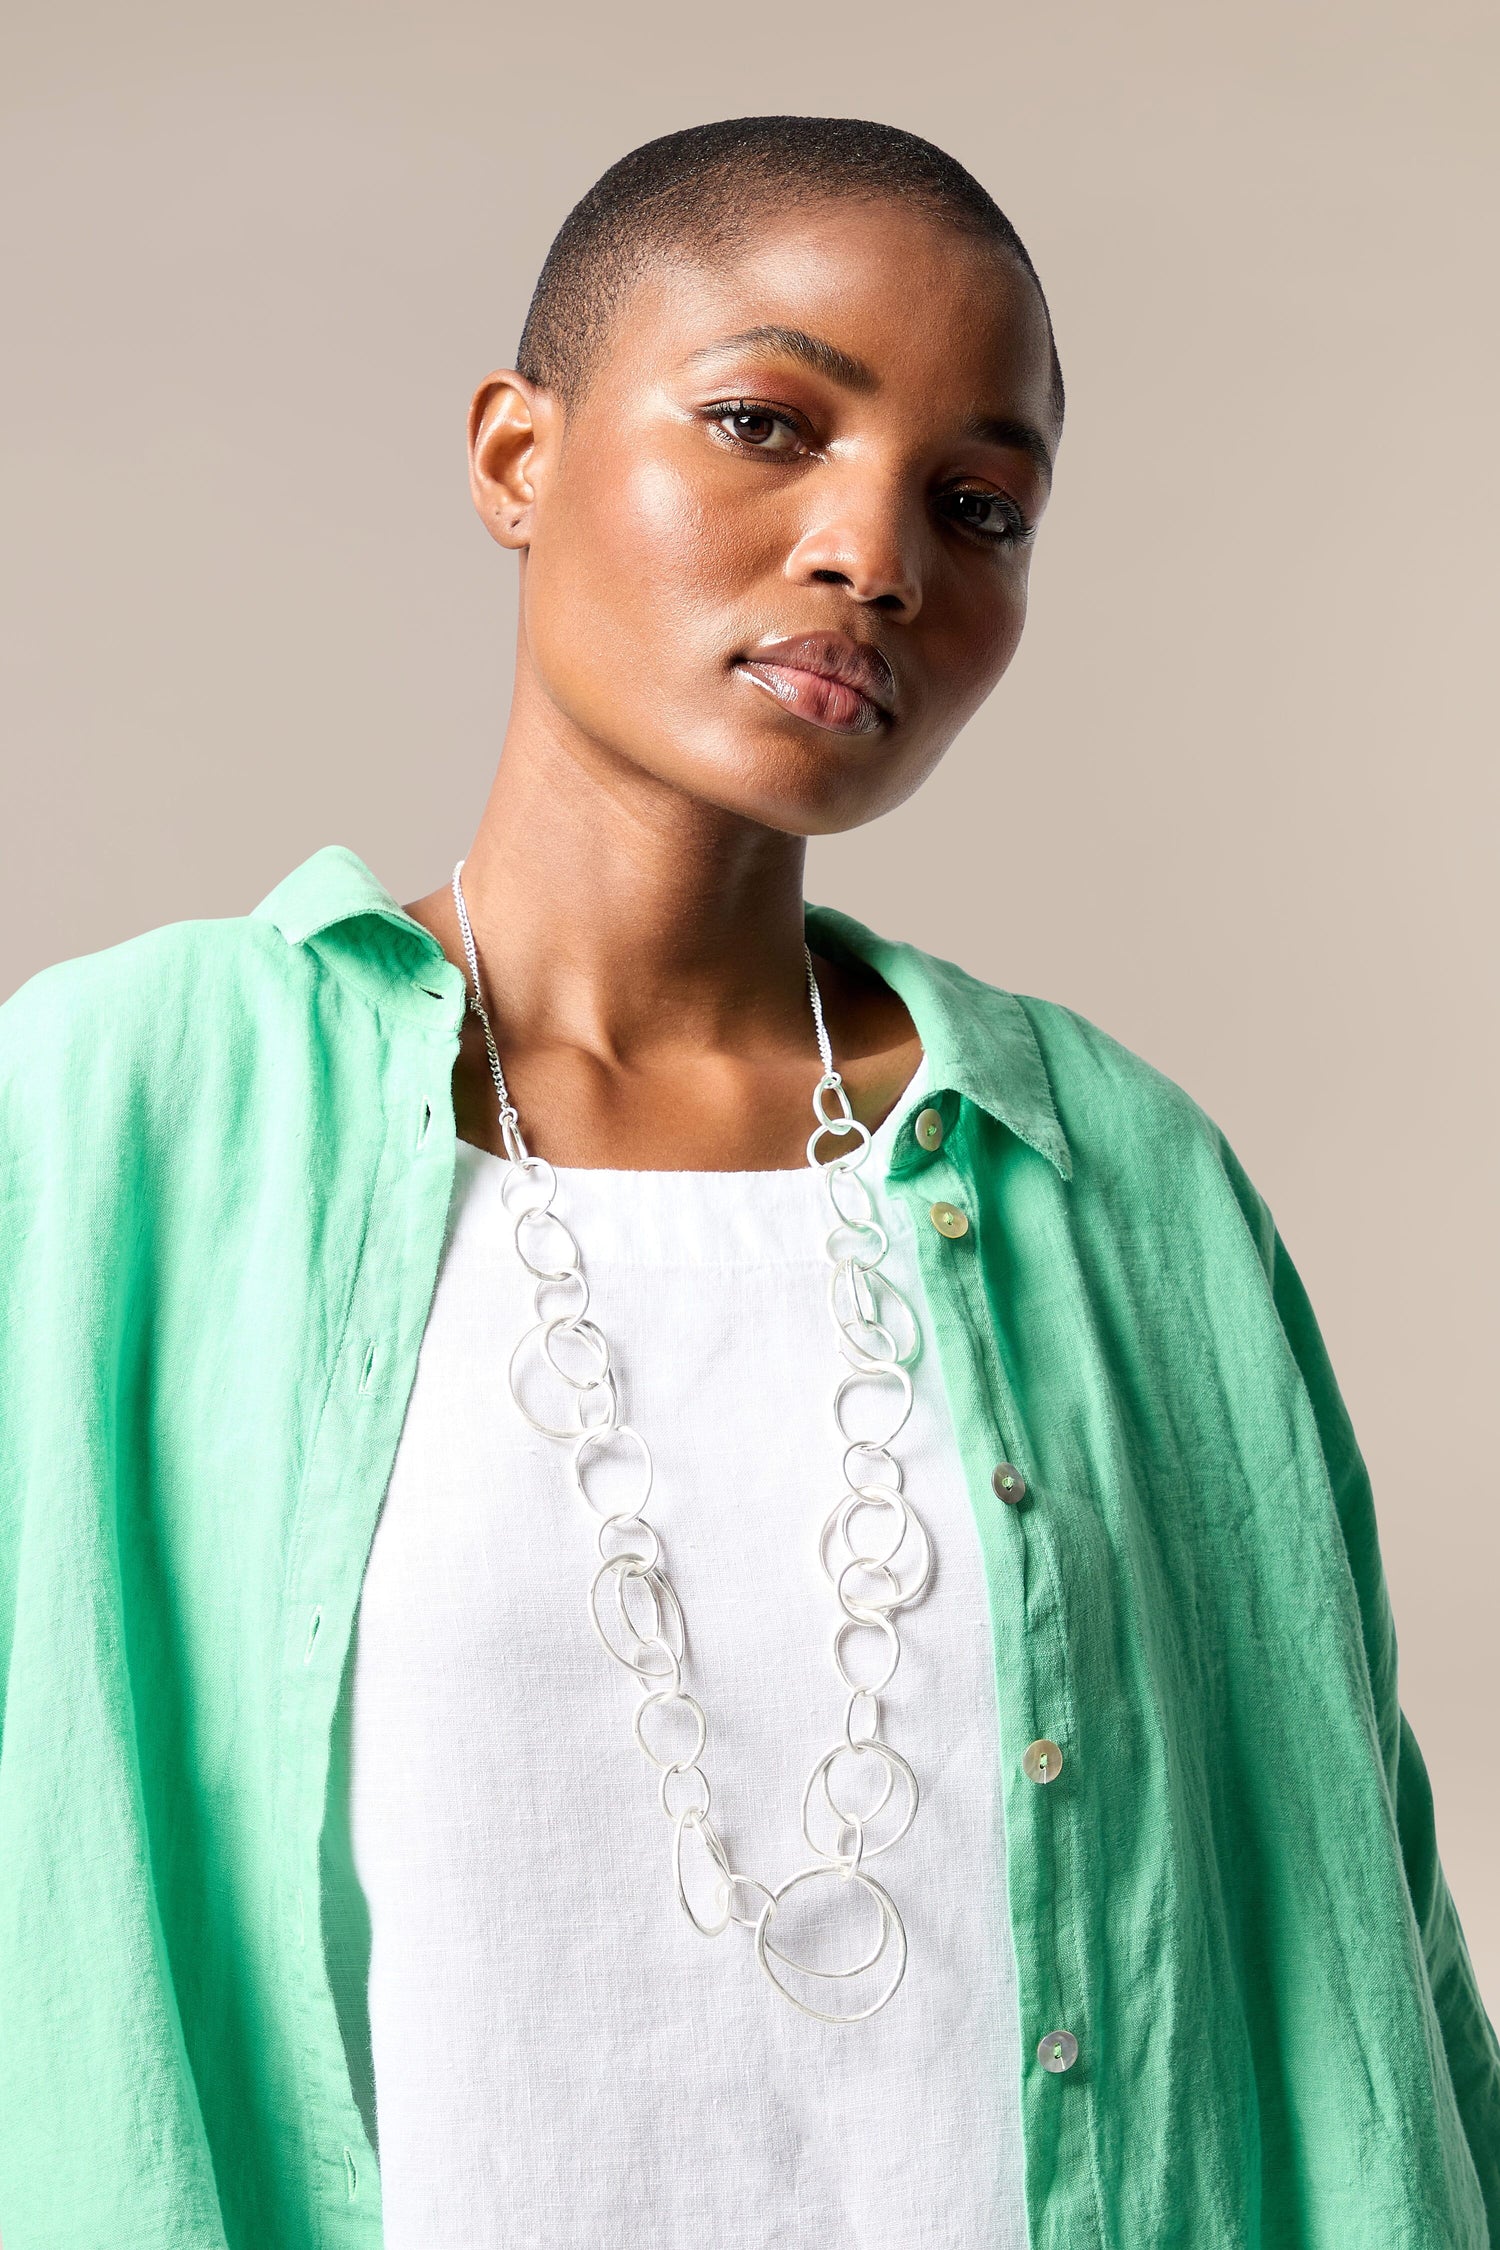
(795, 343)
(842, 367)
(1021, 437)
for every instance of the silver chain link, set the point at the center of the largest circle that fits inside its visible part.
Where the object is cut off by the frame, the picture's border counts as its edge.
(879, 1337)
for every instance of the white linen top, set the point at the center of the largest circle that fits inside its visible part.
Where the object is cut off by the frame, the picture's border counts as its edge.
(561, 2061)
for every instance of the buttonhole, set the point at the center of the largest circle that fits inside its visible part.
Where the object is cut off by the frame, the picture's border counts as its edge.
(426, 1121)
(317, 1619)
(353, 2175)
(368, 1369)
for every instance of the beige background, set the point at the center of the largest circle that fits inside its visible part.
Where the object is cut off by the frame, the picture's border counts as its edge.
(1235, 800)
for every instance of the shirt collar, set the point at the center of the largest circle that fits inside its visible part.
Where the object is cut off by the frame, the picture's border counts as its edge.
(978, 1040)
(334, 885)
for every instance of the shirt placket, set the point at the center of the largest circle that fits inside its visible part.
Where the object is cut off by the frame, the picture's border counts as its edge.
(348, 1471)
(1041, 1748)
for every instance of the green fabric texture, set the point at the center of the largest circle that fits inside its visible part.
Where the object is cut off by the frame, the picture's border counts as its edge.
(226, 1153)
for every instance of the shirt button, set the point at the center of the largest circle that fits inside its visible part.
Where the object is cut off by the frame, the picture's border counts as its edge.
(1058, 2051)
(1041, 1761)
(1009, 1483)
(949, 1220)
(929, 1128)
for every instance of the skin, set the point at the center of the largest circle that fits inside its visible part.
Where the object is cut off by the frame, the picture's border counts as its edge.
(635, 884)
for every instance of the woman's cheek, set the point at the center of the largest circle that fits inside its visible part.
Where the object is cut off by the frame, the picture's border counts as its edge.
(677, 534)
(978, 639)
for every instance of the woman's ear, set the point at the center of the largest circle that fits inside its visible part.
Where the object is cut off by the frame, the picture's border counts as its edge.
(510, 424)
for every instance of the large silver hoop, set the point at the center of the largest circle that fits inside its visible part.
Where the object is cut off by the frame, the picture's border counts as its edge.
(892, 1925)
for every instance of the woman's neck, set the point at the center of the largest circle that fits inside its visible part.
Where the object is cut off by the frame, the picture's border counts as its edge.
(641, 954)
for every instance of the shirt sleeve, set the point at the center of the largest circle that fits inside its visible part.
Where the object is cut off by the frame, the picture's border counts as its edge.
(101, 2132)
(1468, 2037)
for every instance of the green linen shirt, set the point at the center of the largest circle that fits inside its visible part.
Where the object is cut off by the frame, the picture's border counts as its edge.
(226, 1151)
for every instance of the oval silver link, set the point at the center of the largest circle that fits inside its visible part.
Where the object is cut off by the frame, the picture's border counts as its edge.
(590, 1437)
(616, 1568)
(671, 1671)
(855, 1279)
(546, 1429)
(607, 1391)
(855, 1274)
(575, 1280)
(903, 1597)
(840, 1243)
(616, 1524)
(867, 1612)
(547, 1218)
(588, 1333)
(849, 1734)
(526, 1168)
(883, 1374)
(870, 1363)
(671, 1695)
(669, 1775)
(841, 1813)
(879, 1292)
(630, 1547)
(620, 1567)
(755, 1884)
(838, 1179)
(864, 1496)
(867, 1625)
(691, 1817)
(843, 1116)
(848, 1856)
(715, 1846)
(836, 1520)
(889, 1461)
(859, 1135)
(661, 1589)
(894, 1763)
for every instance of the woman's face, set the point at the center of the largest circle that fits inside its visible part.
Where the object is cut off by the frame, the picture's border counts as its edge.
(778, 552)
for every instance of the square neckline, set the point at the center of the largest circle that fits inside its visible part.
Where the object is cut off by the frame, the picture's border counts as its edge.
(882, 1138)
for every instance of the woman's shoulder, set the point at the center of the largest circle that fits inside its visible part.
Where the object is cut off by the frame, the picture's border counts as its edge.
(1132, 1134)
(129, 984)
(1095, 1073)
(147, 1013)
(1139, 1135)
(1101, 1088)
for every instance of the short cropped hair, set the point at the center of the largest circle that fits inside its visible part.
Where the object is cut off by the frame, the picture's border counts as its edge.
(695, 193)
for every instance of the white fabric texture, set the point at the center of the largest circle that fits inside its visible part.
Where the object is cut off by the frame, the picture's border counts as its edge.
(561, 2061)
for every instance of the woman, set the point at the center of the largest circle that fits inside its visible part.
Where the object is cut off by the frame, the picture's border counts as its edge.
(463, 1364)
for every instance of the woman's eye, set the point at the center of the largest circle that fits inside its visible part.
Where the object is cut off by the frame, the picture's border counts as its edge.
(759, 426)
(989, 514)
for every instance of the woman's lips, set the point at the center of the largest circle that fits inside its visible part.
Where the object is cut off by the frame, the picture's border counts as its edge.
(828, 679)
(812, 695)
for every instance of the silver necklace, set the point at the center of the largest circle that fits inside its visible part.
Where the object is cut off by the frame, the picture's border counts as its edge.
(878, 1337)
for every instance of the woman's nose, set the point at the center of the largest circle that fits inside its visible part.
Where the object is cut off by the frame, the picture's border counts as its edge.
(864, 538)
